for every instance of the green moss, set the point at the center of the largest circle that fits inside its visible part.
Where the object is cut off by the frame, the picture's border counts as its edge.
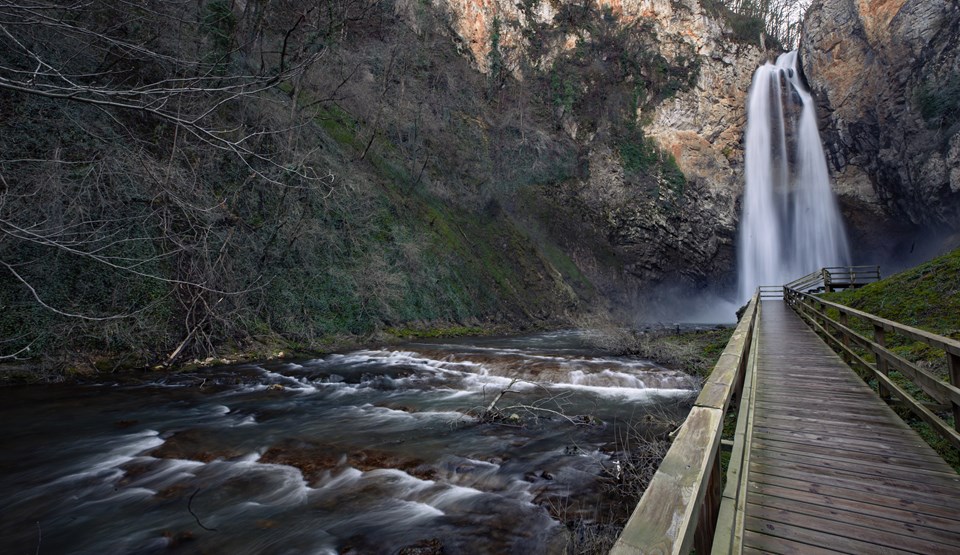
(436, 332)
(567, 268)
(641, 157)
(339, 125)
(939, 101)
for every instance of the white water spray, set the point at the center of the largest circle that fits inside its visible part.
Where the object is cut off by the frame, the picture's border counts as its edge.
(791, 225)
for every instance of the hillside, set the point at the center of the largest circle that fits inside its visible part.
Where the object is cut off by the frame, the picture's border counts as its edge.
(926, 296)
(182, 180)
(187, 180)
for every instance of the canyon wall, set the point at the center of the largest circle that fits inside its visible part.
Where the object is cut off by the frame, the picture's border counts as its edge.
(886, 75)
(660, 231)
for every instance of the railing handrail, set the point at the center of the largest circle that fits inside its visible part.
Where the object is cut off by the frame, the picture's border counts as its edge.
(830, 276)
(944, 343)
(813, 310)
(813, 276)
(679, 508)
(770, 291)
(861, 267)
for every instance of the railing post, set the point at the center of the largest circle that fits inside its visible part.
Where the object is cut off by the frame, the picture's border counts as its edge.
(954, 363)
(843, 336)
(879, 336)
(707, 525)
(826, 281)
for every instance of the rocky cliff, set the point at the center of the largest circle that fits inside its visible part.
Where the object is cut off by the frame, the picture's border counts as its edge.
(886, 75)
(688, 76)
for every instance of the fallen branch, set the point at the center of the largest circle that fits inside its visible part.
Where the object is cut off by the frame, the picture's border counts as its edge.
(500, 395)
(501, 416)
(195, 517)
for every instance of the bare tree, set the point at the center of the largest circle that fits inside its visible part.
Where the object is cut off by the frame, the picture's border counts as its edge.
(140, 104)
(782, 18)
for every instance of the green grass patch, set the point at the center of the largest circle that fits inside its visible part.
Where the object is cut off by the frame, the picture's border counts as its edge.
(339, 125)
(431, 332)
(939, 101)
(695, 352)
(925, 297)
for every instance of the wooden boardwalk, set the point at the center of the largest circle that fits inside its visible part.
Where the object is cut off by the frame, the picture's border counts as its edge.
(832, 469)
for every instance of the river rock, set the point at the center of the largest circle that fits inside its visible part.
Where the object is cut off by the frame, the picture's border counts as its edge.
(317, 460)
(196, 444)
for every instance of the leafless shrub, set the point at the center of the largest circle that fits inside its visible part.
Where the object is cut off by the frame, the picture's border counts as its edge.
(144, 110)
(782, 18)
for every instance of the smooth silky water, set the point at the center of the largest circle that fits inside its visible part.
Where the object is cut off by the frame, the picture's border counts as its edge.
(364, 452)
(791, 224)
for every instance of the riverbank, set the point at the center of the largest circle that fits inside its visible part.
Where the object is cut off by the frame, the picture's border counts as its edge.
(692, 351)
(93, 365)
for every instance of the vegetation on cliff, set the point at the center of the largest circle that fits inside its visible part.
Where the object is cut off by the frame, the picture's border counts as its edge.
(180, 179)
(183, 179)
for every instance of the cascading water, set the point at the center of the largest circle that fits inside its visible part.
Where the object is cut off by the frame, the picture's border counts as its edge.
(791, 225)
(374, 451)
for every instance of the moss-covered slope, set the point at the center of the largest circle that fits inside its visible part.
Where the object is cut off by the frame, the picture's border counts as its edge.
(926, 296)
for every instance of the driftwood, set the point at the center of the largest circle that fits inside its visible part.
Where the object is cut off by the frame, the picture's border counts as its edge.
(506, 417)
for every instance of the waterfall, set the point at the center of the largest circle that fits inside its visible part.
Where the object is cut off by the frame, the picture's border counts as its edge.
(791, 225)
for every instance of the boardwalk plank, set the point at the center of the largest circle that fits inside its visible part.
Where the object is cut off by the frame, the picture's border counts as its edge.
(835, 420)
(832, 468)
(837, 428)
(878, 442)
(834, 535)
(892, 486)
(762, 543)
(851, 454)
(855, 516)
(882, 506)
(867, 415)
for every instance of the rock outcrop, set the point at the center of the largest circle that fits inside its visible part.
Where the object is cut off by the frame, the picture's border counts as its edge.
(659, 237)
(886, 74)
(703, 129)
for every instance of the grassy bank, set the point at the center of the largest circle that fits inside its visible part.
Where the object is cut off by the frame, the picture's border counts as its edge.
(694, 352)
(926, 296)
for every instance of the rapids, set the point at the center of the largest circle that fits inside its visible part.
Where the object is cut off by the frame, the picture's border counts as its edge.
(363, 452)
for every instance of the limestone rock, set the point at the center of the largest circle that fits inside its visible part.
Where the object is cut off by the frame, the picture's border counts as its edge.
(691, 241)
(886, 74)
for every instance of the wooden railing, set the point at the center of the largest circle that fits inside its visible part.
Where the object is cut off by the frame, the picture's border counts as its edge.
(835, 277)
(840, 335)
(731, 520)
(679, 509)
(771, 292)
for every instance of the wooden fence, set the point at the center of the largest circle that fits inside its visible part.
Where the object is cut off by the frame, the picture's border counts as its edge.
(840, 335)
(834, 278)
(679, 509)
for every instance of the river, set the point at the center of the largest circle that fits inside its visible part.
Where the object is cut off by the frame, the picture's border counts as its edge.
(372, 451)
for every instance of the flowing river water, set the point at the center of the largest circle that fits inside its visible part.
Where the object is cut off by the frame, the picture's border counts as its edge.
(373, 451)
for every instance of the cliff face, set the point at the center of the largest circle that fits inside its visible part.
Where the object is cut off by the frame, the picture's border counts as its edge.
(886, 75)
(658, 227)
